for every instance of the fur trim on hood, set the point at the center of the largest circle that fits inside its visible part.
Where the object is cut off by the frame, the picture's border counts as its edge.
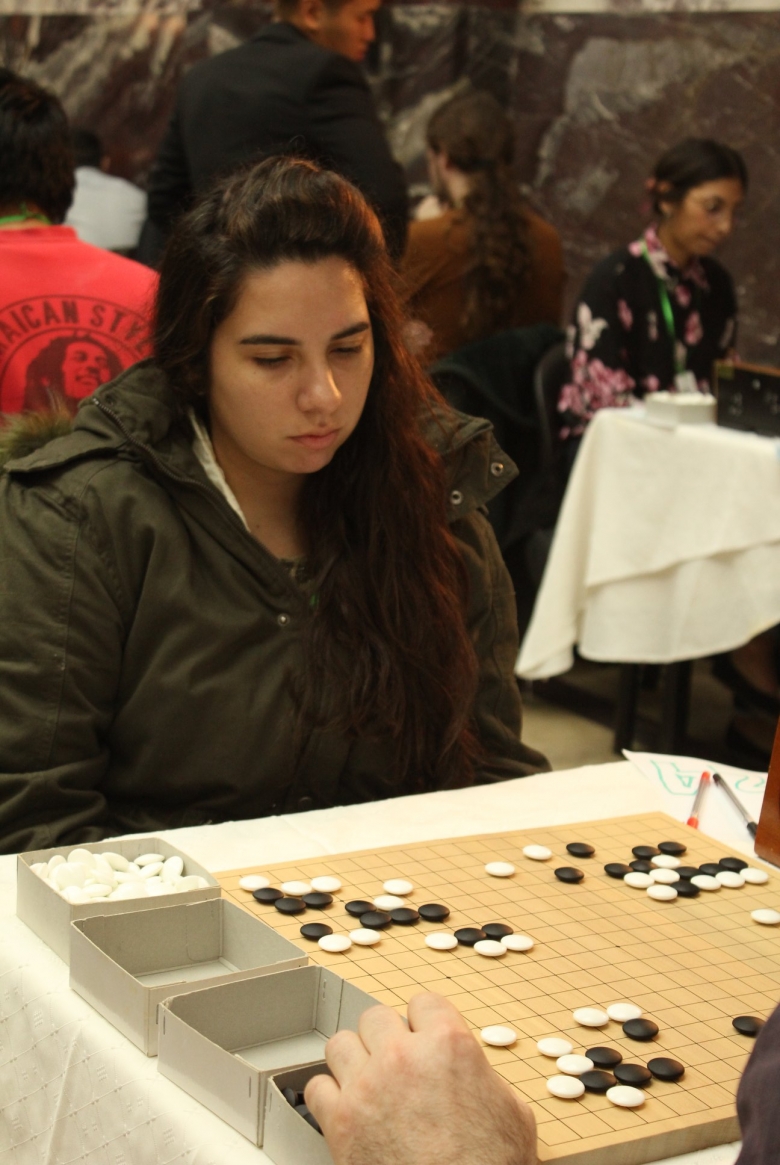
(24, 433)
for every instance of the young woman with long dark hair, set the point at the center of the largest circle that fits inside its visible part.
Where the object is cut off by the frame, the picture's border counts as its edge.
(486, 263)
(256, 576)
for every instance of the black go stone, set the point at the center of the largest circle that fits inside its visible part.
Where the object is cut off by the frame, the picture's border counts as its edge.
(404, 916)
(604, 1057)
(688, 872)
(644, 851)
(735, 864)
(569, 874)
(315, 930)
(497, 930)
(580, 849)
(468, 935)
(433, 911)
(358, 907)
(269, 894)
(635, 1074)
(640, 1029)
(675, 848)
(641, 866)
(375, 919)
(308, 1117)
(616, 869)
(291, 1096)
(686, 889)
(747, 1025)
(711, 868)
(317, 901)
(290, 905)
(666, 1069)
(596, 1081)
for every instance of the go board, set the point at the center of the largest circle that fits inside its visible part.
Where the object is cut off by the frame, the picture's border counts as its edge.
(692, 965)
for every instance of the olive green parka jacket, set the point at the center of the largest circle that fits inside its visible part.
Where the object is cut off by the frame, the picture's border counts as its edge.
(146, 637)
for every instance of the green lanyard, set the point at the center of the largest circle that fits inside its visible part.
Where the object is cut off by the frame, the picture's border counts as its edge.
(25, 216)
(666, 310)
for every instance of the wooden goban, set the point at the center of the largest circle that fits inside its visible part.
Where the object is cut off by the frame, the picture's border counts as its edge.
(692, 965)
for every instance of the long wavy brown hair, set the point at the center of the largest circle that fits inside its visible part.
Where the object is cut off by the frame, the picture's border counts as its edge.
(387, 649)
(477, 137)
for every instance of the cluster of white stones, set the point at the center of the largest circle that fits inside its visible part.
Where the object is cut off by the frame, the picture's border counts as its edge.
(92, 877)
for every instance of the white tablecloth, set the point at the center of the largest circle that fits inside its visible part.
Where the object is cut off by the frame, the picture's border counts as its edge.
(73, 1090)
(667, 547)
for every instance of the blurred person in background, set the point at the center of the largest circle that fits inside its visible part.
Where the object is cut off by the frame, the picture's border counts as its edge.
(658, 313)
(106, 211)
(71, 315)
(295, 87)
(487, 262)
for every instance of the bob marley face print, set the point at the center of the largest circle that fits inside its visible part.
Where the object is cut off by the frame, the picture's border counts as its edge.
(56, 351)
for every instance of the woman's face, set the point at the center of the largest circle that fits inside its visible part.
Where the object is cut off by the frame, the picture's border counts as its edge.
(705, 217)
(290, 367)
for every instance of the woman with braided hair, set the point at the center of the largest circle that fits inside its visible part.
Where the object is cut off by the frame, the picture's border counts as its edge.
(488, 262)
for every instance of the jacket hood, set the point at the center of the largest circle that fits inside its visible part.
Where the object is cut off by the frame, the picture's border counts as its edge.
(136, 413)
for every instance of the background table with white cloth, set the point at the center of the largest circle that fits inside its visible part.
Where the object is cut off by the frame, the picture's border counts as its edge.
(73, 1090)
(667, 547)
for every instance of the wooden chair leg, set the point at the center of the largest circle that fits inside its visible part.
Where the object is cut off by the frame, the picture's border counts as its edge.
(675, 704)
(625, 711)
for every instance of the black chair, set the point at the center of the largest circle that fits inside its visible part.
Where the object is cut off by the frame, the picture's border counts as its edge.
(550, 375)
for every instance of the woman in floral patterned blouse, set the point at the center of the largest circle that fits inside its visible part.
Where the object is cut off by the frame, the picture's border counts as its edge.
(658, 313)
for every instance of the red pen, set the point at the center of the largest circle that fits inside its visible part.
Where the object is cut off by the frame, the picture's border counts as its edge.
(693, 820)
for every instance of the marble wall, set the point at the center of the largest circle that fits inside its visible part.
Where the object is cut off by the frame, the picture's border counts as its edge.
(597, 89)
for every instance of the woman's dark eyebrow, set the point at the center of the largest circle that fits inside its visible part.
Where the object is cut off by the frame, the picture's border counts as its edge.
(287, 340)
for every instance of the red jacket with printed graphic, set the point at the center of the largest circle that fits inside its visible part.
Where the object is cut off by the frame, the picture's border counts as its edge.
(72, 317)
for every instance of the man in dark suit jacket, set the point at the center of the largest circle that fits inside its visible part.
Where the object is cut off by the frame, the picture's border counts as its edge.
(296, 87)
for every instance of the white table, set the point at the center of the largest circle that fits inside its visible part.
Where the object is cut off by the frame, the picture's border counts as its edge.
(667, 547)
(73, 1090)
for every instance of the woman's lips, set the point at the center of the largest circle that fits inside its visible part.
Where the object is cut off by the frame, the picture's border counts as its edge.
(317, 440)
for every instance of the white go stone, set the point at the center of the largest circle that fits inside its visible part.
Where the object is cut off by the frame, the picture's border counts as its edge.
(97, 890)
(156, 887)
(441, 940)
(537, 853)
(705, 882)
(76, 895)
(490, 948)
(398, 886)
(766, 917)
(81, 855)
(590, 1017)
(730, 879)
(69, 875)
(622, 1012)
(517, 942)
(295, 889)
(755, 876)
(661, 893)
(253, 882)
(499, 1036)
(573, 1065)
(128, 890)
(40, 868)
(172, 868)
(131, 874)
(665, 861)
(665, 877)
(388, 902)
(148, 859)
(55, 861)
(500, 869)
(191, 882)
(364, 936)
(115, 861)
(565, 1087)
(554, 1046)
(638, 881)
(624, 1096)
(151, 870)
(335, 943)
(325, 884)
